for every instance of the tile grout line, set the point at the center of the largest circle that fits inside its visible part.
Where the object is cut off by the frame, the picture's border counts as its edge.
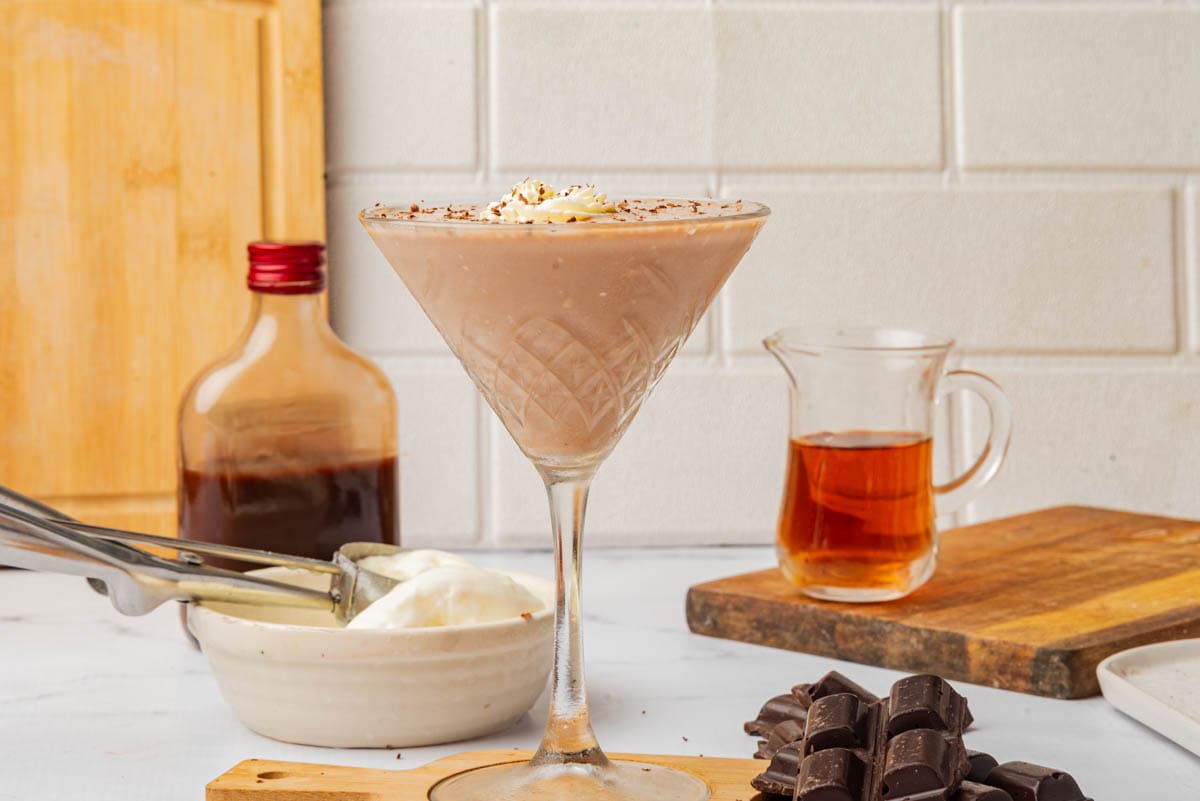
(1029, 178)
(1185, 251)
(483, 93)
(1162, 360)
(1179, 282)
(950, 78)
(957, 420)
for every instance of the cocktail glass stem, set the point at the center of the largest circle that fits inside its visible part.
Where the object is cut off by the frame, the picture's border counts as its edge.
(568, 738)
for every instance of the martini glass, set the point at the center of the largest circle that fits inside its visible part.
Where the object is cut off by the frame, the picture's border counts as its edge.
(565, 329)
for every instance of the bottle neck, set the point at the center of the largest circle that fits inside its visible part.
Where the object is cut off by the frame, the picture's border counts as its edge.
(288, 318)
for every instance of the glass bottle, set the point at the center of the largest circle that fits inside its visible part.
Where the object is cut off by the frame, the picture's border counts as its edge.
(288, 442)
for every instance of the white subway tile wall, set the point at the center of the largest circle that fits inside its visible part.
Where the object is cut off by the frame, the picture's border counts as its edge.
(830, 87)
(1003, 268)
(625, 85)
(1024, 177)
(1079, 86)
(402, 78)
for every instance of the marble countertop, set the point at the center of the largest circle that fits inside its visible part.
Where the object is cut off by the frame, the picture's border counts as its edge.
(99, 706)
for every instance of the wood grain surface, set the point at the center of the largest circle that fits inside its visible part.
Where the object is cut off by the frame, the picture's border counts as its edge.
(142, 145)
(263, 780)
(1029, 603)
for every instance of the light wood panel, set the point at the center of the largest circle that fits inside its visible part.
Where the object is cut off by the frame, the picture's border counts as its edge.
(1029, 603)
(143, 143)
(263, 780)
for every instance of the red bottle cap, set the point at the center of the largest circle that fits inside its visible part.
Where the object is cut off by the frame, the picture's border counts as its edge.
(286, 268)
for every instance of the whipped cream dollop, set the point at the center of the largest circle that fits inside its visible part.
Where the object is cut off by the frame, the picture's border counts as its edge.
(440, 589)
(536, 201)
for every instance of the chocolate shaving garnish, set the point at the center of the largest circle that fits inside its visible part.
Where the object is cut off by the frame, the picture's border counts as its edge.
(625, 210)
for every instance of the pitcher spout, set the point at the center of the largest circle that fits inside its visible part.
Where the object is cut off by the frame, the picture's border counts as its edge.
(774, 344)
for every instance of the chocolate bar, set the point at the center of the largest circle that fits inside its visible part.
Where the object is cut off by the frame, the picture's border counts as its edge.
(837, 721)
(832, 683)
(1025, 781)
(854, 750)
(785, 733)
(832, 740)
(981, 765)
(973, 791)
(774, 712)
(780, 776)
(926, 702)
(794, 706)
(923, 764)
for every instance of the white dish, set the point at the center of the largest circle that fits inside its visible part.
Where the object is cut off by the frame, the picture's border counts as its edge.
(1159, 686)
(295, 675)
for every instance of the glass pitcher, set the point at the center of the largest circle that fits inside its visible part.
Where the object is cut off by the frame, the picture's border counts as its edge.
(857, 522)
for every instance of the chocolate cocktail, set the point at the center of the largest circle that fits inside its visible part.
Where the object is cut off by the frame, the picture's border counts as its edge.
(565, 310)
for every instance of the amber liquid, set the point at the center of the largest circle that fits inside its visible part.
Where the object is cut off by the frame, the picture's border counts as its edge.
(858, 510)
(306, 511)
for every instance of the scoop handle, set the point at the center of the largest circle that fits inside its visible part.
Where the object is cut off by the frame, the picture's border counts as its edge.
(11, 497)
(15, 500)
(135, 581)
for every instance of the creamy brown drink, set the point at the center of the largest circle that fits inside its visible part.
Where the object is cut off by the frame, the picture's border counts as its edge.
(564, 308)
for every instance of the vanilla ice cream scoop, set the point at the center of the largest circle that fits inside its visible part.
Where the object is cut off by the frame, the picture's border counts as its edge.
(449, 595)
(406, 564)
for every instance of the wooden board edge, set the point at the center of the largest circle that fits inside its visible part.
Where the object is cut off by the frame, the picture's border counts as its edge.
(728, 777)
(808, 629)
(289, 781)
(1063, 668)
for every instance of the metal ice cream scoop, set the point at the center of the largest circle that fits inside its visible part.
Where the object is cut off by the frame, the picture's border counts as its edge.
(37, 537)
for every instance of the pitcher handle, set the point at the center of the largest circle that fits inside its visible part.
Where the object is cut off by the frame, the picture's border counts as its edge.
(955, 493)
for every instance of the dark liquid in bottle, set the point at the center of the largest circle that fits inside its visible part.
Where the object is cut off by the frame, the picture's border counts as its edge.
(858, 508)
(304, 511)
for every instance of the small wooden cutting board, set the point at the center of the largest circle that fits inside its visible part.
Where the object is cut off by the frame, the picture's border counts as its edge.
(262, 780)
(1029, 603)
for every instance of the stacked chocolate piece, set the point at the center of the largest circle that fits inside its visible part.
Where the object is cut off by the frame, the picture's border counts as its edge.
(835, 741)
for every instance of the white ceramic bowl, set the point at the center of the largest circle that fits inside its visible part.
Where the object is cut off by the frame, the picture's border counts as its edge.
(294, 675)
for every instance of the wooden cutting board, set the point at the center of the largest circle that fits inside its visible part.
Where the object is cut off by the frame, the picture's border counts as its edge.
(142, 145)
(1029, 603)
(262, 780)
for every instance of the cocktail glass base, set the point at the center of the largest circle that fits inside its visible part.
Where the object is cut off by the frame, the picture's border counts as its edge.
(614, 781)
